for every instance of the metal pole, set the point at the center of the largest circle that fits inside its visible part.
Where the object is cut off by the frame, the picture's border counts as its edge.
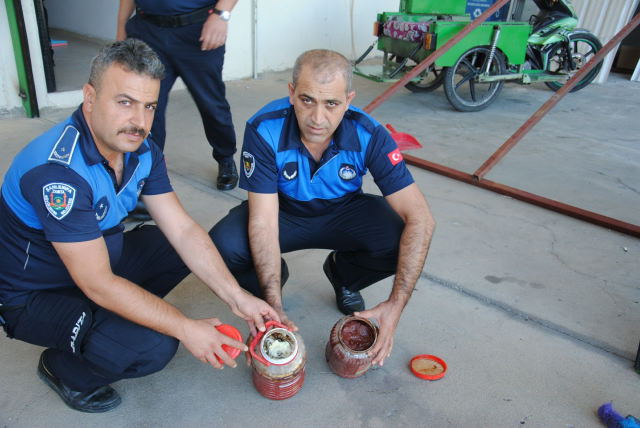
(434, 56)
(555, 99)
(549, 204)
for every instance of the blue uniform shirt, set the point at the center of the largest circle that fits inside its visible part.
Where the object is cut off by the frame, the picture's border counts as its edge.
(275, 160)
(59, 188)
(172, 7)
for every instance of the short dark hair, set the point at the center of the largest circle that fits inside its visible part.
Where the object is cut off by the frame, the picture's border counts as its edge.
(325, 62)
(130, 54)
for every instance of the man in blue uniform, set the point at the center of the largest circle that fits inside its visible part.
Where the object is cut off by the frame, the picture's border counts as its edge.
(71, 280)
(189, 38)
(304, 158)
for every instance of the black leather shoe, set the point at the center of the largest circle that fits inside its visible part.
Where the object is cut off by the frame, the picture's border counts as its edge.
(98, 400)
(284, 272)
(227, 176)
(348, 301)
(140, 212)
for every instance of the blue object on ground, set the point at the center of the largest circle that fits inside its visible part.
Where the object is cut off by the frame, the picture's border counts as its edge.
(613, 419)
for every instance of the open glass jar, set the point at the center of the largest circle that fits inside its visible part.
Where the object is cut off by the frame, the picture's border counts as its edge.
(350, 340)
(279, 365)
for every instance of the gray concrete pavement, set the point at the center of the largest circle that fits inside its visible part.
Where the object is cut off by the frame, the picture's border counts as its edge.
(536, 314)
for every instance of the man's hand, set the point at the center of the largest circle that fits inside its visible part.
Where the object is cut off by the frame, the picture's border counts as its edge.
(387, 314)
(253, 310)
(121, 34)
(214, 32)
(204, 341)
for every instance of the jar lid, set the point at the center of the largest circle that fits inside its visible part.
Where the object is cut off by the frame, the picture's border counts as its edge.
(428, 367)
(233, 333)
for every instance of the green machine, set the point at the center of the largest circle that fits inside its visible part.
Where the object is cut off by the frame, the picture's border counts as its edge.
(546, 49)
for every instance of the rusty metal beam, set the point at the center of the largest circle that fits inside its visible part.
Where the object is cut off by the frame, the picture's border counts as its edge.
(555, 99)
(549, 204)
(433, 57)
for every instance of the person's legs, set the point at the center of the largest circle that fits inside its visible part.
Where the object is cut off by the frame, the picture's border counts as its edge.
(89, 346)
(201, 72)
(231, 237)
(366, 235)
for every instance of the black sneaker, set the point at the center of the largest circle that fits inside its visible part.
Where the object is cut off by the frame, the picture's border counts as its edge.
(98, 400)
(348, 301)
(284, 272)
(227, 176)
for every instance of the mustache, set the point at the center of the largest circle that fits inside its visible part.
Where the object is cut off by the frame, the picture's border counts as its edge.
(132, 130)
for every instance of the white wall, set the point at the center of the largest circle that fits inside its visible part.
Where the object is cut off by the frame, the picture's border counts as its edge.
(286, 28)
(9, 86)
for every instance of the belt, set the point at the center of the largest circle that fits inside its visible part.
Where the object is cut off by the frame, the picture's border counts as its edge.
(194, 17)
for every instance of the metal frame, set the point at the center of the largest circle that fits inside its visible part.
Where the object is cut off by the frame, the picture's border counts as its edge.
(477, 178)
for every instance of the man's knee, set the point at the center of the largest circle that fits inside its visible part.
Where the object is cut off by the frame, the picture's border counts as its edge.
(120, 348)
(231, 238)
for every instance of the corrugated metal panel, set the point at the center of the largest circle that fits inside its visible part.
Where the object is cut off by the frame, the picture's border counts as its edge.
(605, 18)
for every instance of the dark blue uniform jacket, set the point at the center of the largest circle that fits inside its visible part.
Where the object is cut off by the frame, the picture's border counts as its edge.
(276, 161)
(59, 188)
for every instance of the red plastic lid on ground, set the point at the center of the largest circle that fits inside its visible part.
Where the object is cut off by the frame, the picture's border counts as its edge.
(428, 367)
(233, 333)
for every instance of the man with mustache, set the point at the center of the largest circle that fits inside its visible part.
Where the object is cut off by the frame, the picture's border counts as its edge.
(304, 158)
(71, 280)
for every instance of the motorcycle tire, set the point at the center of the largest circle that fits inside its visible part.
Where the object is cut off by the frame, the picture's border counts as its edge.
(429, 83)
(583, 47)
(461, 87)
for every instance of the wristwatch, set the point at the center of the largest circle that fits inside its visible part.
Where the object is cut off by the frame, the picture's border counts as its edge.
(224, 14)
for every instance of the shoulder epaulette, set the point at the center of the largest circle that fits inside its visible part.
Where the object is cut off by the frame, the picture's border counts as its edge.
(63, 150)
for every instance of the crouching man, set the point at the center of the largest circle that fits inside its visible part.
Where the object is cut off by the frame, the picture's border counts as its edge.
(71, 280)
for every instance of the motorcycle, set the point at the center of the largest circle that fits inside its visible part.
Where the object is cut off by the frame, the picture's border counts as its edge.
(546, 49)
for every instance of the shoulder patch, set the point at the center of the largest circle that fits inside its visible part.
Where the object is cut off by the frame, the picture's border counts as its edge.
(63, 149)
(395, 157)
(59, 199)
(249, 163)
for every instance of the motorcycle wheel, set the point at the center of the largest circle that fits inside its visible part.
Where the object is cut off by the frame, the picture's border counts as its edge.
(461, 86)
(583, 47)
(432, 80)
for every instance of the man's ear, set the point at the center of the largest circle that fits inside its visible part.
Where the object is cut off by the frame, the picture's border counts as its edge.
(291, 91)
(89, 94)
(350, 97)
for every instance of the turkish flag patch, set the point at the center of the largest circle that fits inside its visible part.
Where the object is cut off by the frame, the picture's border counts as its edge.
(395, 157)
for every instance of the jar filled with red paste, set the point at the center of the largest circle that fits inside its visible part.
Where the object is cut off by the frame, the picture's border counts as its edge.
(278, 366)
(350, 340)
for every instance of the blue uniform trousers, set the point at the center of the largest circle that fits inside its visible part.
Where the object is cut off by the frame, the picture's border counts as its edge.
(180, 51)
(91, 346)
(365, 232)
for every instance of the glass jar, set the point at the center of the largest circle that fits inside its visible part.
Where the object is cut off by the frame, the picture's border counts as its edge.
(350, 340)
(278, 372)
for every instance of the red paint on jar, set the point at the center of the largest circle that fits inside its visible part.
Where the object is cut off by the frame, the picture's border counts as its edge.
(348, 333)
(278, 389)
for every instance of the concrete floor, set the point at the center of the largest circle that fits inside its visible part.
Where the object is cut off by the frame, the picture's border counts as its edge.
(535, 313)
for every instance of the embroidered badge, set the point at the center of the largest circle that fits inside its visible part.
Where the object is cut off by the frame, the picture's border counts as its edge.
(141, 185)
(102, 208)
(347, 172)
(290, 171)
(395, 157)
(58, 198)
(249, 163)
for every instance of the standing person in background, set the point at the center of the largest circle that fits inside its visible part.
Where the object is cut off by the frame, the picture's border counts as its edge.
(189, 38)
